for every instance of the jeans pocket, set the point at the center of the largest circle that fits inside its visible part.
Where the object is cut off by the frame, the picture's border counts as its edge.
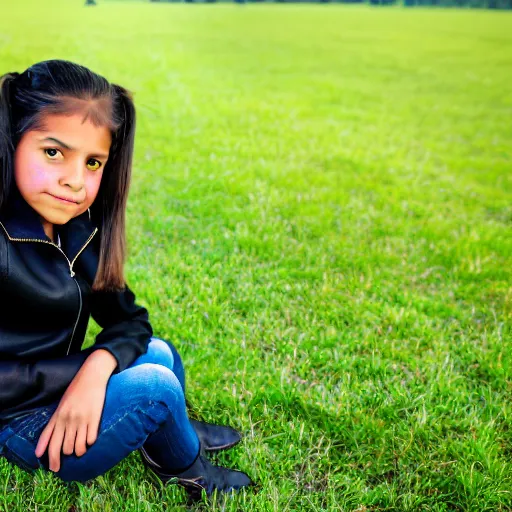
(21, 452)
(31, 426)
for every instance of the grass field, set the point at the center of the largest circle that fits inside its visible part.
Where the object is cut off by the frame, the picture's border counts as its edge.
(321, 220)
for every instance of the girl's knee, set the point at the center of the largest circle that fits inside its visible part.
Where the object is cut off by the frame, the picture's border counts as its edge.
(151, 382)
(158, 352)
(165, 354)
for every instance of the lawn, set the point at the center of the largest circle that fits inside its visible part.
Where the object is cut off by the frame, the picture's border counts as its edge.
(320, 219)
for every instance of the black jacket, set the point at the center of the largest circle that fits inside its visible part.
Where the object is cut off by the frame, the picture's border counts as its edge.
(45, 304)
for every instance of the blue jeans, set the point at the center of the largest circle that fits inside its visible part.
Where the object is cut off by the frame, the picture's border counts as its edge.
(144, 406)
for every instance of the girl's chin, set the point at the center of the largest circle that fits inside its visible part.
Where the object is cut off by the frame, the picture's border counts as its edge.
(57, 218)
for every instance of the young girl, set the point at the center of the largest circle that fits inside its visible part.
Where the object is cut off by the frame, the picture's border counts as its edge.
(66, 146)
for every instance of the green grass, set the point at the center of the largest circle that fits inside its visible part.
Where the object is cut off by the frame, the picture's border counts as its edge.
(320, 219)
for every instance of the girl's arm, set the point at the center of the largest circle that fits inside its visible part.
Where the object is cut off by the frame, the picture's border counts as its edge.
(26, 385)
(76, 421)
(126, 334)
(126, 329)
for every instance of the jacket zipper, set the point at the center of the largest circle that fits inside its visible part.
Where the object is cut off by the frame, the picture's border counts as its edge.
(78, 286)
(70, 263)
(77, 318)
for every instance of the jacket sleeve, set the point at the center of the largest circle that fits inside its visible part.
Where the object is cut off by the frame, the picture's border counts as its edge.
(126, 329)
(25, 384)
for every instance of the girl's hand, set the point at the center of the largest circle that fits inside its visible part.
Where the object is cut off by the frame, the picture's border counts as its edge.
(77, 418)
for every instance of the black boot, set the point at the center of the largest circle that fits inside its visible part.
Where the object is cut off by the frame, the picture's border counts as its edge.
(201, 475)
(214, 438)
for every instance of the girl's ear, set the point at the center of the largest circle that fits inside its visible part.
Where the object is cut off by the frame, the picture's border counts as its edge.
(6, 135)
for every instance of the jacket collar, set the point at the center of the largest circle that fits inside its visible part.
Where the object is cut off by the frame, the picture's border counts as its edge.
(23, 224)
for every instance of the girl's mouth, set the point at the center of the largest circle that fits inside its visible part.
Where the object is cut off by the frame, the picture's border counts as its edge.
(64, 200)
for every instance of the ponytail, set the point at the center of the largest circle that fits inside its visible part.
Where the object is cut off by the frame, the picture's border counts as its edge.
(115, 184)
(6, 136)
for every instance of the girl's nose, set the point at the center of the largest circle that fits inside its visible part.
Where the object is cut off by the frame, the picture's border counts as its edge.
(74, 178)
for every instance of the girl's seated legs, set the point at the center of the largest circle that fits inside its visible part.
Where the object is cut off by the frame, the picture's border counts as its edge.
(144, 408)
(144, 399)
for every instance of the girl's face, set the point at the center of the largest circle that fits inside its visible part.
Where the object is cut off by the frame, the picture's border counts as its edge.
(58, 169)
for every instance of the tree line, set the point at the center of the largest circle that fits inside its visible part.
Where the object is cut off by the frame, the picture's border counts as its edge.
(485, 4)
(477, 4)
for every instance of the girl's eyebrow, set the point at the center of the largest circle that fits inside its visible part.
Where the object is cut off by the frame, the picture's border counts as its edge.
(65, 146)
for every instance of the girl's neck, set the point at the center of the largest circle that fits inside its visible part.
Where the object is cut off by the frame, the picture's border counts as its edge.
(48, 229)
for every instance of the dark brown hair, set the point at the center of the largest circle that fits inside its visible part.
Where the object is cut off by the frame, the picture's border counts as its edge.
(63, 87)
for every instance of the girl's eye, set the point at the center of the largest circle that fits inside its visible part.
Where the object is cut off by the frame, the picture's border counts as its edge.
(51, 153)
(94, 164)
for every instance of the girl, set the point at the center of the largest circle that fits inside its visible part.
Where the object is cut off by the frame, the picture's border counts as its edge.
(66, 146)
